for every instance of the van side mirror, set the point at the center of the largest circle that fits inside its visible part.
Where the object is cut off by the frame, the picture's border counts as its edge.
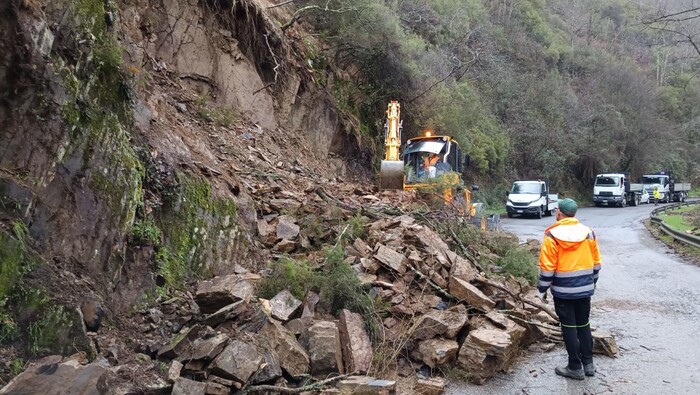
(507, 193)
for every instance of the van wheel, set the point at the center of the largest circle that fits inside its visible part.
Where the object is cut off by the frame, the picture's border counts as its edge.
(510, 215)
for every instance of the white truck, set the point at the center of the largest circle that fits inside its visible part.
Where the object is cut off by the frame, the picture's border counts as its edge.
(615, 189)
(671, 191)
(531, 197)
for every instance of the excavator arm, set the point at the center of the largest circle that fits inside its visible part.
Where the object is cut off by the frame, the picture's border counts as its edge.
(391, 172)
(392, 131)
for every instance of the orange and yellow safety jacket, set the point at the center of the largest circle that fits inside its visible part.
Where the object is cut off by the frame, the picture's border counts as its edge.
(569, 260)
(430, 161)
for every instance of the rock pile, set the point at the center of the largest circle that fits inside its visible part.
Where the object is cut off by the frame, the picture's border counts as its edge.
(438, 310)
(434, 309)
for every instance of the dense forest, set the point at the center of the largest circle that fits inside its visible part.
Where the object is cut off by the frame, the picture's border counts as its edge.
(557, 89)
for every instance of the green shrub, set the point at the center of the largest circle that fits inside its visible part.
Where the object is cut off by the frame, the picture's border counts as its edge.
(340, 288)
(356, 227)
(286, 273)
(520, 263)
(336, 282)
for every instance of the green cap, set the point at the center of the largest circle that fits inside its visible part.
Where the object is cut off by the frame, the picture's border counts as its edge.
(568, 207)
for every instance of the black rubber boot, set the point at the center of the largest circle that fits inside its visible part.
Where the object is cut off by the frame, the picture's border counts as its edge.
(572, 374)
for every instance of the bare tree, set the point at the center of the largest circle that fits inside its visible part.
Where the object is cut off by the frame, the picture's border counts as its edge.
(683, 23)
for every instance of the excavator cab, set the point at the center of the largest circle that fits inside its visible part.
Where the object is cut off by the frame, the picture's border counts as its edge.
(435, 163)
(431, 157)
(427, 163)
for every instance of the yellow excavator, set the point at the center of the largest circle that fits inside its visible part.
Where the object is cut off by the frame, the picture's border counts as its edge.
(427, 163)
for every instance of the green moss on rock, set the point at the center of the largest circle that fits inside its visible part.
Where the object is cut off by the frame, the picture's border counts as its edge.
(59, 329)
(191, 222)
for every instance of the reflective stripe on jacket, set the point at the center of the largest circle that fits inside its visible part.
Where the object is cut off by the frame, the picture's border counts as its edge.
(569, 260)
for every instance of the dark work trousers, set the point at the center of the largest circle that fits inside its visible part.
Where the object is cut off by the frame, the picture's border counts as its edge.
(576, 329)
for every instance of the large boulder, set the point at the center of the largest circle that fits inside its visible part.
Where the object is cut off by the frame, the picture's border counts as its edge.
(284, 306)
(391, 258)
(206, 349)
(434, 323)
(357, 347)
(238, 361)
(287, 229)
(222, 291)
(185, 386)
(292, 356)
(54, 378)
(180, 343)
(437, 352)
(270, 369)
(489, 349)
(322, 342)
(462, 290)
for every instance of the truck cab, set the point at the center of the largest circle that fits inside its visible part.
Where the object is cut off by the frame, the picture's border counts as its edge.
(670, 190)
(653, 181)
(531, 197)
(616, 189)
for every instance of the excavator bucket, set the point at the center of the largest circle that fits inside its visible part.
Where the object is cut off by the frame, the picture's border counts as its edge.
(391, 174)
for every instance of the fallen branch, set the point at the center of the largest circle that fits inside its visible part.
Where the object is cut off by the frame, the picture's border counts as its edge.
(554, 337)
(284, 390)
(373, 214)
(432, 284)
(518, 297)
(542, 325)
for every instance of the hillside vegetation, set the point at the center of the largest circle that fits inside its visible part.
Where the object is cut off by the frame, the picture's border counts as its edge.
(533, 88)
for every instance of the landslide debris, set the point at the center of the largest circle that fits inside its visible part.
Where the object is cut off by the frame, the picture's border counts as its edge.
(249, 251)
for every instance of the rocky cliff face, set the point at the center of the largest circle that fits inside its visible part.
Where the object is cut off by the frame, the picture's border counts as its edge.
(127, 128)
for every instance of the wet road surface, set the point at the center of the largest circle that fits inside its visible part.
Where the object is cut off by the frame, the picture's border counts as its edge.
(648, 297)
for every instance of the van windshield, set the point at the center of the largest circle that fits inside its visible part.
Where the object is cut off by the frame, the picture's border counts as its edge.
(530, 187)
(603, 181)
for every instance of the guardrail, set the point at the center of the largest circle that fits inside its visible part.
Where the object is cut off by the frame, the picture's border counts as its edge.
(678, 235)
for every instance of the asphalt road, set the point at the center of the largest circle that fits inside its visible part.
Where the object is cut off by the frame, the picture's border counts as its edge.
(646, 296)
